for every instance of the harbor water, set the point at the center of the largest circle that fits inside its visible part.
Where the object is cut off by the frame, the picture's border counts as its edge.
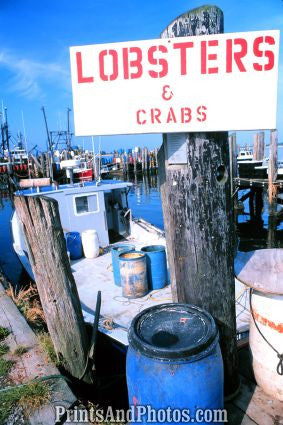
(145, 202)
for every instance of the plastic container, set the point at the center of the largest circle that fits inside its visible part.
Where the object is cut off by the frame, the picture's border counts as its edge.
(74, 245)
(267, 311)
(156, 266)
(174, 360)
(115, 252)
(133, 274)
(90, 243)
(262, 271)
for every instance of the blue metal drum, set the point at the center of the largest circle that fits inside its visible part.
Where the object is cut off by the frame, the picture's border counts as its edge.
(133, 274)
(74, 245)
(174, 362)
(115, 252)
(156, 266)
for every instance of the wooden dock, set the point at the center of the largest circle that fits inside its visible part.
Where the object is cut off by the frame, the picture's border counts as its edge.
(246, 183)
(252, 405)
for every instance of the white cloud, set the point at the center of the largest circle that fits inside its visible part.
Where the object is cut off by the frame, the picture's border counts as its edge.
(29, 77)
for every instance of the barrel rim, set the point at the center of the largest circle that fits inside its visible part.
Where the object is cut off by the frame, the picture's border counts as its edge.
(141, 258)
(73, 233)
(115, 248)
(89, 231)
(158, 248)
(190, 353)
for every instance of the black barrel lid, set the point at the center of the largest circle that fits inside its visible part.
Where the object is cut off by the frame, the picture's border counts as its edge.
(173, 331)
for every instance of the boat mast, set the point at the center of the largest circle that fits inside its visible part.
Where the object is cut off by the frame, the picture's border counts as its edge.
(5, 133)
(68, 141)
(49, 144)
(25, 141)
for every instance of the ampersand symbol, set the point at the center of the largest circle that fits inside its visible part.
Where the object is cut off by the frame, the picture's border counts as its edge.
(167, 94)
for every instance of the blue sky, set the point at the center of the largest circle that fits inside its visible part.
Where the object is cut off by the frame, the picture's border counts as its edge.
(35, 37)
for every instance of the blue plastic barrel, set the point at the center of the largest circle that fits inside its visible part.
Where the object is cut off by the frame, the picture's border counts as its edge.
(174, 361)
(133, 274)
(115, 252)
(156, 266)
(74, 245)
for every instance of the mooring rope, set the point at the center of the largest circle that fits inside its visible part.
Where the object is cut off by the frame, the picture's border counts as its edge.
(279, 368)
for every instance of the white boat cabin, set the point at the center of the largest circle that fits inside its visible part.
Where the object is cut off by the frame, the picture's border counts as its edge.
(102, 207)
(245, 154)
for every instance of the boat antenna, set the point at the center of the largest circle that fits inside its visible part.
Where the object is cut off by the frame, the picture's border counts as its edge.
(25, 140)
(93, 157)
(68, 129)
(6, 130)
(24, 131)
(49, 146)
(99, 159)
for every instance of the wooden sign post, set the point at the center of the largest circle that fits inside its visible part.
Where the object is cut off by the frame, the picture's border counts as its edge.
(55, 282)
(197, 212)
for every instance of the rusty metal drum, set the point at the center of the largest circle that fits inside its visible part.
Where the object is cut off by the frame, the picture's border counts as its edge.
(133, 274)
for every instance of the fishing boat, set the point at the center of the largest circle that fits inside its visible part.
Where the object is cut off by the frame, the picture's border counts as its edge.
(103, 206)
(246, 163)
(262, 170)
(84, 173)
(245, 154)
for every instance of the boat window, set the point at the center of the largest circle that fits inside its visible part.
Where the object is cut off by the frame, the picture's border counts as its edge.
(85, 204)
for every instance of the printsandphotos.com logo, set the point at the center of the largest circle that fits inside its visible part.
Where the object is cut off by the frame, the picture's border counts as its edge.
(139, 414)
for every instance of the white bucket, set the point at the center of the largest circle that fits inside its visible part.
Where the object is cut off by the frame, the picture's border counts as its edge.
(267, 311)
(90, 243)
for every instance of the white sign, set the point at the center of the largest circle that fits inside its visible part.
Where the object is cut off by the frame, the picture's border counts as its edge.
(204, 83)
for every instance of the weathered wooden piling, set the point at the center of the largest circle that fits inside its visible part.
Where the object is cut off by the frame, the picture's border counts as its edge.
(272, 189)
(272, 166)
(233, 167)
(258, 146)
(196, 201)
(156, 157)
(55, 282)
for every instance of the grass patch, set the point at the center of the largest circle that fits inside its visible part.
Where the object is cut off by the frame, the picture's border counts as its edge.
(46, 344)
(29, 397)
(28, 302)
(4, 332)
(20, 350)
(4, 348)
(5, 367)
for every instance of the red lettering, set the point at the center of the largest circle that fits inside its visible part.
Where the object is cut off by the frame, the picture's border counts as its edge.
(237, 55)
(81, 78)
(186, 115)
(261, 53)
(102, 56)
(139, 121)
(183, 54)
(208, 57)
(201, 113)
(171, 116)
(155, 114)
(161, 61)
(134, 63)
